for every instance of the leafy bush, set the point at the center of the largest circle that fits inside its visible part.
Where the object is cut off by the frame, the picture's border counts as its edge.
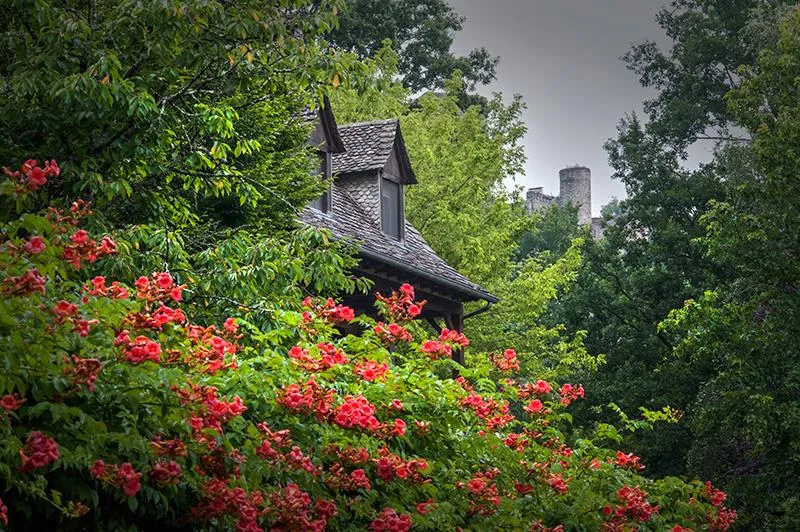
(120, 413)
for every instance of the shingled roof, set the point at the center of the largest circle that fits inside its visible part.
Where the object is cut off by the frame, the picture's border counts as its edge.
(368, 146)
(349, 222)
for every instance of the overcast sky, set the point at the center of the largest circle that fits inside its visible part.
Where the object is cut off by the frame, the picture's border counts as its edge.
(562, 56)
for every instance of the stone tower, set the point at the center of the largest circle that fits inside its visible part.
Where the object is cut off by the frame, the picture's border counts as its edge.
(576, 188)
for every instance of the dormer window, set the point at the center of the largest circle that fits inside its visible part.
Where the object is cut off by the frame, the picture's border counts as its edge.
(392, 218)
(323, 202)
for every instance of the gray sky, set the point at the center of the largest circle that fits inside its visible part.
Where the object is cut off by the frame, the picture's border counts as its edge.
(562, 56)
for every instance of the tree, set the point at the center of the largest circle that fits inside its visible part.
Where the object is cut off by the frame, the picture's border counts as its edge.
(711, 39)
(553, 233)
(746, 417)
(650, 261)
(158, 109)
(181, 122)
(421, 32)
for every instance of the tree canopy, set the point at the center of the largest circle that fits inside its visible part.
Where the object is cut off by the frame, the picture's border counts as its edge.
(421, 32)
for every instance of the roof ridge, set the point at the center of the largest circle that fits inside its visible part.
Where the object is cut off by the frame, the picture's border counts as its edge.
(369, 122)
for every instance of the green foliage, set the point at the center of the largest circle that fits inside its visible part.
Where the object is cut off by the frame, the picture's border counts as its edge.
(524, 300)
(710, 40)
(421, 32)
(552, 234)
(465, 211)
(746, 417)
(169, 112)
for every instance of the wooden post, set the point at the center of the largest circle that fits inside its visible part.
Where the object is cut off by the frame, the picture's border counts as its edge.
(455, 322)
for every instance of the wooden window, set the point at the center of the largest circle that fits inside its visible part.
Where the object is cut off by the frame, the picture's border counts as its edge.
(323, 202)
(391, 209)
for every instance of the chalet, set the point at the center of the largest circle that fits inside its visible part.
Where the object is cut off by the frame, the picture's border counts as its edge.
(365, 205)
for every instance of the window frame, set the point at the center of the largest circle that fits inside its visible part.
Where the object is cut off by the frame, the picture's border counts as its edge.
(383, 177)
(323, 203)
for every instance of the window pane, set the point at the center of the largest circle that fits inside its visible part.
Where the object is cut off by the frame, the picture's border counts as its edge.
(390, 208)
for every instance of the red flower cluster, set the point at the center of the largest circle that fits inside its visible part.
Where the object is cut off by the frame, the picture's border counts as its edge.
(453, 337)
(400, 307)
(306, 398)
(369, 370)
(166, 473)
(508, 362)
(715, 496)
(67, 312)
(329, 356)
(10, 402)
(83, 371)
(558, 483)
(328, 311)
(528, 390)
(210, 349)
(3, 513)
(389, 466)
(436, 350)
(296, 459)
(390, 521)
(82, 248)
(425, 506)
(392, 333)
(570, 393)
(173, 448)
(723, 520)
(22, 285)
(34, 245)
(629, 461)
(159, 287)
(140, 349)
(220, 500)
(31, 177)
(356, 412)
(39, 450)
(443, 347)
(64, 310)
(633, 506)
(535, 406)
(99, 288)
(121, 476)
(493, 413)
(484, 498)
(273, 439)
(517, 442)
(295, 511)
(209, 413)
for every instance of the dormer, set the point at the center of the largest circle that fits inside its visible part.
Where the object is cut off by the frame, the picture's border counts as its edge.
(374, 170)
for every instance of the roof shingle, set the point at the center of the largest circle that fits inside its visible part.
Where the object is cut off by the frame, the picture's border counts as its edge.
(368, 146)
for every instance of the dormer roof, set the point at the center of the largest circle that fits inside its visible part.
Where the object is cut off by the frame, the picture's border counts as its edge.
(326, 136)
(369, 147)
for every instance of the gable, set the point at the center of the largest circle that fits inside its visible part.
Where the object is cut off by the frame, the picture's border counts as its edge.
(370, 147)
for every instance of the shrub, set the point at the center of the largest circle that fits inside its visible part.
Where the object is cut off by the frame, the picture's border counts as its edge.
(119, 412)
